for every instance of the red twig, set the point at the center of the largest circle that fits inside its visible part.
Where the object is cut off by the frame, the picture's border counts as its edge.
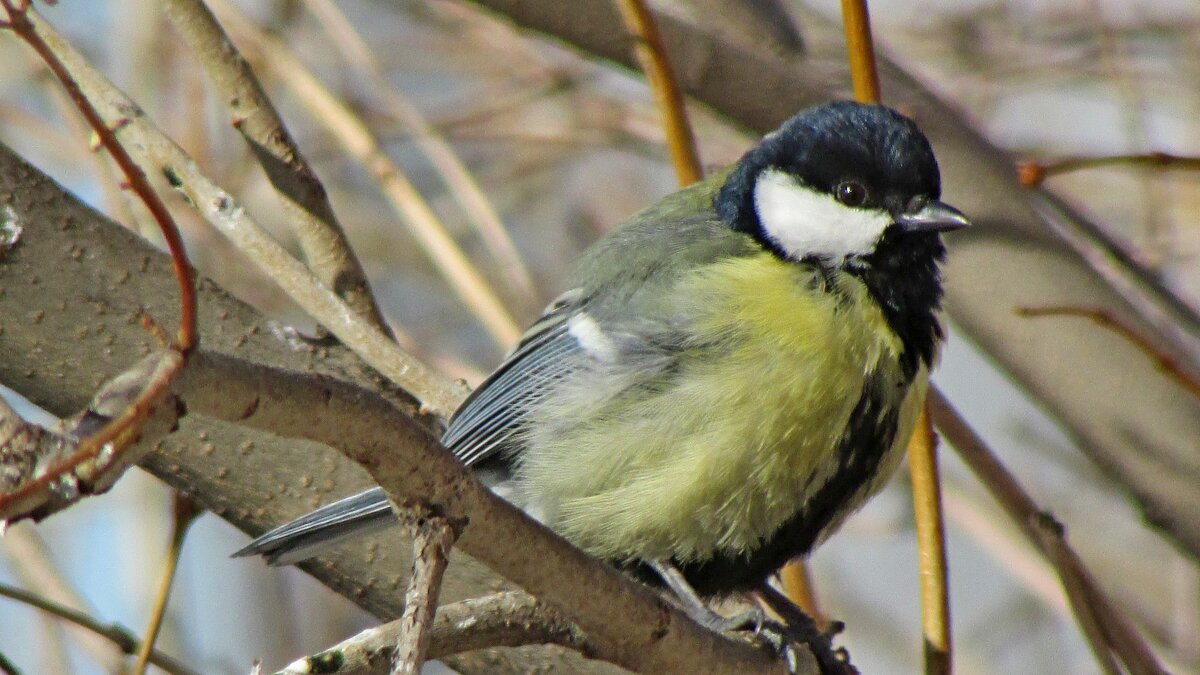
(120, 429)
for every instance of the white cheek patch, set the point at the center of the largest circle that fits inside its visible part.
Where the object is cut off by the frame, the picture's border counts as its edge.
(804, 222)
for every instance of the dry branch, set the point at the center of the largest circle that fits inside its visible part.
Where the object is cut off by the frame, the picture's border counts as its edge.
(305, 202)
(445, 254)
(120, 636)
(508, 619)
(454, 174)
(1109, 634)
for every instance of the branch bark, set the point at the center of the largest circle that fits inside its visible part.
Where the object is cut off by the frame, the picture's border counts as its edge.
(305, 202)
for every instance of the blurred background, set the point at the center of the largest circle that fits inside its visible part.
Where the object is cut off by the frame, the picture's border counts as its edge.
(565, 149)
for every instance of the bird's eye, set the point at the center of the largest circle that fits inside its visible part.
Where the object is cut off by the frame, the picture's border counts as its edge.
(851, 193)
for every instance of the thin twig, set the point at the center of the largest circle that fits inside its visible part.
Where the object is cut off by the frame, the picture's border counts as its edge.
(122, 428)
(30, 558)
(1108, 632)
(861, 48)
(931, 542)
(120, 636)
(922, 446)
(461, 184)
(506, 619)
(652, 55)
(449, 259)
(432, 538)
(1105, 318)
(1171, 318)
(116, 200)
(184, 513)
(1032, 173)
(20, 24)
(306, 204)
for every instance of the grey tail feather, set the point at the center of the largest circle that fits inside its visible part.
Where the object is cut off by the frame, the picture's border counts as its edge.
(321, 530)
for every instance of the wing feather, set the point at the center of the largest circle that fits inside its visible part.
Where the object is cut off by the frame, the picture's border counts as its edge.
(491, 418)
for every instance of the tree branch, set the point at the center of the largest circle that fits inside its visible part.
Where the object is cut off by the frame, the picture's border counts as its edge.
(305, 202)
(508, 619)
(120, 636)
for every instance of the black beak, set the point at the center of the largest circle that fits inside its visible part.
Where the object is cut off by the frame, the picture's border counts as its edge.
(932, 216)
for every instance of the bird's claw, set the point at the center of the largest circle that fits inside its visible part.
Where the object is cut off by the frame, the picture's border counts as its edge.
(788, 641)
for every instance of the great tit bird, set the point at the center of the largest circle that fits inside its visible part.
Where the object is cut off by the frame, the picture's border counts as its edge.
(734, 371)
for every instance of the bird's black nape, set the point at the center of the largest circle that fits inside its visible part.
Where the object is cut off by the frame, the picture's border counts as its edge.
(827, 144)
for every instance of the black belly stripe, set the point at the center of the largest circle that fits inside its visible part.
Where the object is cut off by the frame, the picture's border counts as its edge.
(870, 433)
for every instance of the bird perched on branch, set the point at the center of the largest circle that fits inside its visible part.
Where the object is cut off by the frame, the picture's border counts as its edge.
(734, 371)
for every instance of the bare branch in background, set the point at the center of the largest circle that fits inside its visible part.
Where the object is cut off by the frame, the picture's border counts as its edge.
(438, 395)
(1110, 635)
(1034, 173)
(120, 636)
(446, 255)
(183, 513)
(656, 64)
(29, 558)
(1170, 365)
(306, 205)
(457, 178)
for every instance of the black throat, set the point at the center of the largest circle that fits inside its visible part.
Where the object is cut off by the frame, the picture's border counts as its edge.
(902, 275)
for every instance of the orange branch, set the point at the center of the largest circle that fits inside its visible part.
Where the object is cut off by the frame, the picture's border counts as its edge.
(121, 430)
(862, 51)
(931, 543)
(652, 56)
(922, 446)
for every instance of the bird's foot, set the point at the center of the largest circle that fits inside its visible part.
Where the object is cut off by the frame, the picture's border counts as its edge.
(798, 628)
(789, 641)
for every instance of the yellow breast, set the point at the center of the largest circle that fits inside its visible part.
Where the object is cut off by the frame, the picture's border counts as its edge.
(750, 420)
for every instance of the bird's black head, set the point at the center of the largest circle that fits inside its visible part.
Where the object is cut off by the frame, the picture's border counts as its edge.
(852, 187)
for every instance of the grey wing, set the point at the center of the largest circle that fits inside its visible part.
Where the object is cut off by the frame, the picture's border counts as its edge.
(488, 422)
(492, 417)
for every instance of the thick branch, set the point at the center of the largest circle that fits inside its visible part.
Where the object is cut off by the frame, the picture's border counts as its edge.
(628, 623)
